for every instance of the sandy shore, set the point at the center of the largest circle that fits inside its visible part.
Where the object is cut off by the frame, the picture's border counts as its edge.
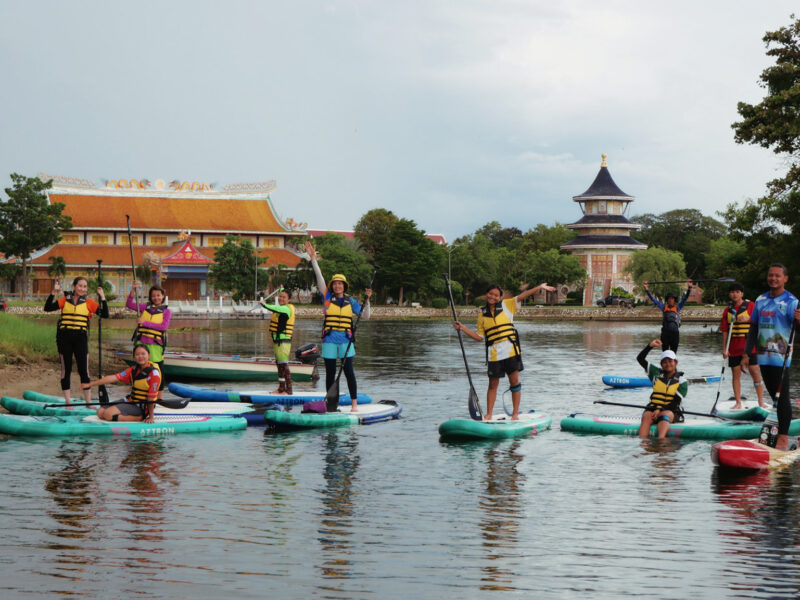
(43, 377)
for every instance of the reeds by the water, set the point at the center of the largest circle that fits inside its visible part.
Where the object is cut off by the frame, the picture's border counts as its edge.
(26, 340)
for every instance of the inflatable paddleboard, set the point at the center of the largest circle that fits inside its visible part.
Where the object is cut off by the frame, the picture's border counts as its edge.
(499, 427)
(202, 394)
(750, 410)
(620, 381)
(700, 428)
(27, 425)
(750, 455)
(368, 413)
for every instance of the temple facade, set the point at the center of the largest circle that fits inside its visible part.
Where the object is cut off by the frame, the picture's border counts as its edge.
(175, 229)
(603, 242)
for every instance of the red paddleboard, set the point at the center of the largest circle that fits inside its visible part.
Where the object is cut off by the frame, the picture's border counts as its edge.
(749, 454)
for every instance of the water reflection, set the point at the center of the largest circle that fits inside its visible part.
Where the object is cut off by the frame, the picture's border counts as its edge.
(72, 486)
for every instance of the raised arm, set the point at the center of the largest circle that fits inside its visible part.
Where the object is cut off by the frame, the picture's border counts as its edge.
(531, 291)
(321, 285)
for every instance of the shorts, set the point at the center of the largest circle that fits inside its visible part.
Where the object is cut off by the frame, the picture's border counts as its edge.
(282, 350)
(334, 351)
(675, 407)
(131, 409)
(735, 361)
(500, 368)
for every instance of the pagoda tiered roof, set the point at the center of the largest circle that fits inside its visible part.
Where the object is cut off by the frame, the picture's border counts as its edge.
(603, 188)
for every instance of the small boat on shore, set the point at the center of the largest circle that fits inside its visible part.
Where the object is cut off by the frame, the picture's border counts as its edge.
(227, 367)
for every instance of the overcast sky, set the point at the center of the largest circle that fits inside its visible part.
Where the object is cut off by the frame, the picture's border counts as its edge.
(453, 114)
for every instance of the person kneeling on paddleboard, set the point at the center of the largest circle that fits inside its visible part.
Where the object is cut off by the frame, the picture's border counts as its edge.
(669, 390)
(144, 379)
(503, 352)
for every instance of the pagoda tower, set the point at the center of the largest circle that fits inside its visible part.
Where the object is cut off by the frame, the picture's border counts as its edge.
(603, 243)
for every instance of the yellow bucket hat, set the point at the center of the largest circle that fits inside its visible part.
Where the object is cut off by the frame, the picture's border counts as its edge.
(339, 277)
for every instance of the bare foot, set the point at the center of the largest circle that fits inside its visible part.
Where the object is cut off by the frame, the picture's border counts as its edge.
(515, 417)
(487, 417)
(737, 406)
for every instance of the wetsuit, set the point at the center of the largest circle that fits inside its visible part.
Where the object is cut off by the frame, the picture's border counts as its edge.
(152, 332)
(668, 392)
(772, 322)
(281, 328)
(503, 352)
(72, 335)
(671, 321)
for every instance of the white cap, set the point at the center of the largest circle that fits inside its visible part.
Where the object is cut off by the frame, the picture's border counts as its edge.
(667, 354)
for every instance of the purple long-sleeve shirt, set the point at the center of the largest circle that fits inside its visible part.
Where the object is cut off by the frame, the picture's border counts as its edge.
(163, 326)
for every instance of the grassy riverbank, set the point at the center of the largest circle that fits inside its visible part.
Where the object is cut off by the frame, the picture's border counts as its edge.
(25, 340)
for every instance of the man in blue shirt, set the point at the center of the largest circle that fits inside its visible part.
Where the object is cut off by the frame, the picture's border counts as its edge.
(776, 314)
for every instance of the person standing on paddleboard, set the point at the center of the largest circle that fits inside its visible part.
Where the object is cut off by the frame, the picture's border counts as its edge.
(145, 381)
(337, 329)
(151, 325)
(72, 336)
(669, 389)
(776, 313)
(736, 324)
(281, 328)
(503, 351)
(671, 310)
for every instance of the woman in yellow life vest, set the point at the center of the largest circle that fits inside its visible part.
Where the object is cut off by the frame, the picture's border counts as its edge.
(669, 390)
(145, 381)
(152, 325)
(281, 328)
(503, 352)
(72, 336)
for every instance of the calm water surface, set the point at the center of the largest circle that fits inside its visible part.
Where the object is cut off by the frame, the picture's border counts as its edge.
(386, 511)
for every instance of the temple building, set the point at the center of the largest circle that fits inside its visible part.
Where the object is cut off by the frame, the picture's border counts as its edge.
(175, 229)
(603, 242)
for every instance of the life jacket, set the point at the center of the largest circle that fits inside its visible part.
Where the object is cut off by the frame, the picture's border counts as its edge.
(664, 390)
(152, 314)
(738, 329)
(500, 328)
(338, 318)
(75, 314)
(672, 318)
(281, 326)
(140, 387)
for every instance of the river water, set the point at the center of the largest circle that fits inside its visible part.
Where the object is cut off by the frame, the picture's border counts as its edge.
(387, 511)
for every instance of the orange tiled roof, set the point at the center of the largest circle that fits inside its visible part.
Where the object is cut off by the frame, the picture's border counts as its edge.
(169, 213)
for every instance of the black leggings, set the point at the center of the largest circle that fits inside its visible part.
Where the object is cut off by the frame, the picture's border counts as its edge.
(349, 373)
(69, 343)
(670, 339)
(771, 376)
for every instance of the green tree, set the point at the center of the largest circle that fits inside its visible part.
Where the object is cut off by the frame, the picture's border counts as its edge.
(657, 264)
(474, 263)
(544, 237)
(373, 230)
(9, 272)
(410, 259)
(28, 221)
(144, 274)
(57, 268)
(553, 267)
(498, 235)
(234, 268)
(336, 255)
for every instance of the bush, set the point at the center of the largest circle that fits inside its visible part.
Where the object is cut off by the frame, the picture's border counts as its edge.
(479, 302)
(439, 303)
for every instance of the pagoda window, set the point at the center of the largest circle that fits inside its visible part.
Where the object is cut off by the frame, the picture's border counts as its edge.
(70, 238)
(601, 207)
(270, 242)
(215, 242)
(602, 265)
(123, 239)
(158, 240)
(100, 239)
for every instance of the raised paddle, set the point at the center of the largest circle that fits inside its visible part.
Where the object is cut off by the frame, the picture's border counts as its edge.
(176, 403)
(686, 412)
(473, 404)
(133, 270)
(769, 431)
(718, 280)
(102, 392)
(332, 396)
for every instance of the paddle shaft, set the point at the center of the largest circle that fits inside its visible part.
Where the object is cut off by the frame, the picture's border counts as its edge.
(133, 268)
(177, 403)
(720, 280)
(731, 310)
(686, 412)
(102, 392)
(473, 394)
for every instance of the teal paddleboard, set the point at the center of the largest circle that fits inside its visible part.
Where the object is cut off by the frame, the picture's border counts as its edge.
(366, 413)
(497, 428)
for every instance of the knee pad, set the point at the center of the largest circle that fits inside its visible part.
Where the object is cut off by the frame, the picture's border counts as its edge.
(664, 418)
(115, 418)
(758, 383)
(516, 388)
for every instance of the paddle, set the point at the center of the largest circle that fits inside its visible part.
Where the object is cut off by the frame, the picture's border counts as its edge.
(731, 310)
(473, 403)
(133, 273)
(176, 403)
(686, 412)
(718, 280)
(102, 392)
(769, 431)
(332, 396)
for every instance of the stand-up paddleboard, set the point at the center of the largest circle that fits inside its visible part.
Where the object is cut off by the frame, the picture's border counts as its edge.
(27, 425)
(367, 413)
(750, 455)
(750, 410)
(620, 381)
(202, 394)
(252, 413)
(699, 428)
(497, 428)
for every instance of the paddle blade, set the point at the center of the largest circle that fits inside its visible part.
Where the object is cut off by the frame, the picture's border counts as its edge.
(102, 394)
(332, 397)
(177, 403)
(474, 405)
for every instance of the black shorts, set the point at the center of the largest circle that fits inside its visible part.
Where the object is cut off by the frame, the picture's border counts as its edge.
(675, 407)
(130, 409)
(735, 361)
(500, 368)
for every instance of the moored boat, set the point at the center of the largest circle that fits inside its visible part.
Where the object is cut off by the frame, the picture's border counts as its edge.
(750, 455)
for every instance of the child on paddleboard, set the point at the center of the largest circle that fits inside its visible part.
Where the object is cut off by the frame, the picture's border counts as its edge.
(669, 390)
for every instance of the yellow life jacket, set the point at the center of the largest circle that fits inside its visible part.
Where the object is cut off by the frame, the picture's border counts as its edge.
(499, 327)
(338, 318)
(152, 314)
(75, 314)
(664, 391)
(281, 325)
(739, 329)
(140, 387)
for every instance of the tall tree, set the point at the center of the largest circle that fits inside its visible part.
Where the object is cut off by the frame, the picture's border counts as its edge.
(234, 268)
(337, 255)
(28, 221)
(373, 230)
(544, 237)
(657, 264)
(410, 260)
(57, 268)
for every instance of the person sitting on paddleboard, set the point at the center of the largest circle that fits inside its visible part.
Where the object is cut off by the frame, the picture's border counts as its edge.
(736, 318)
(503, 352)
(337, 329)
(145, 381)
(152, 325)
(669, 390)
(72, 336)
(281, 328)
(776, 313)
(671, 322)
